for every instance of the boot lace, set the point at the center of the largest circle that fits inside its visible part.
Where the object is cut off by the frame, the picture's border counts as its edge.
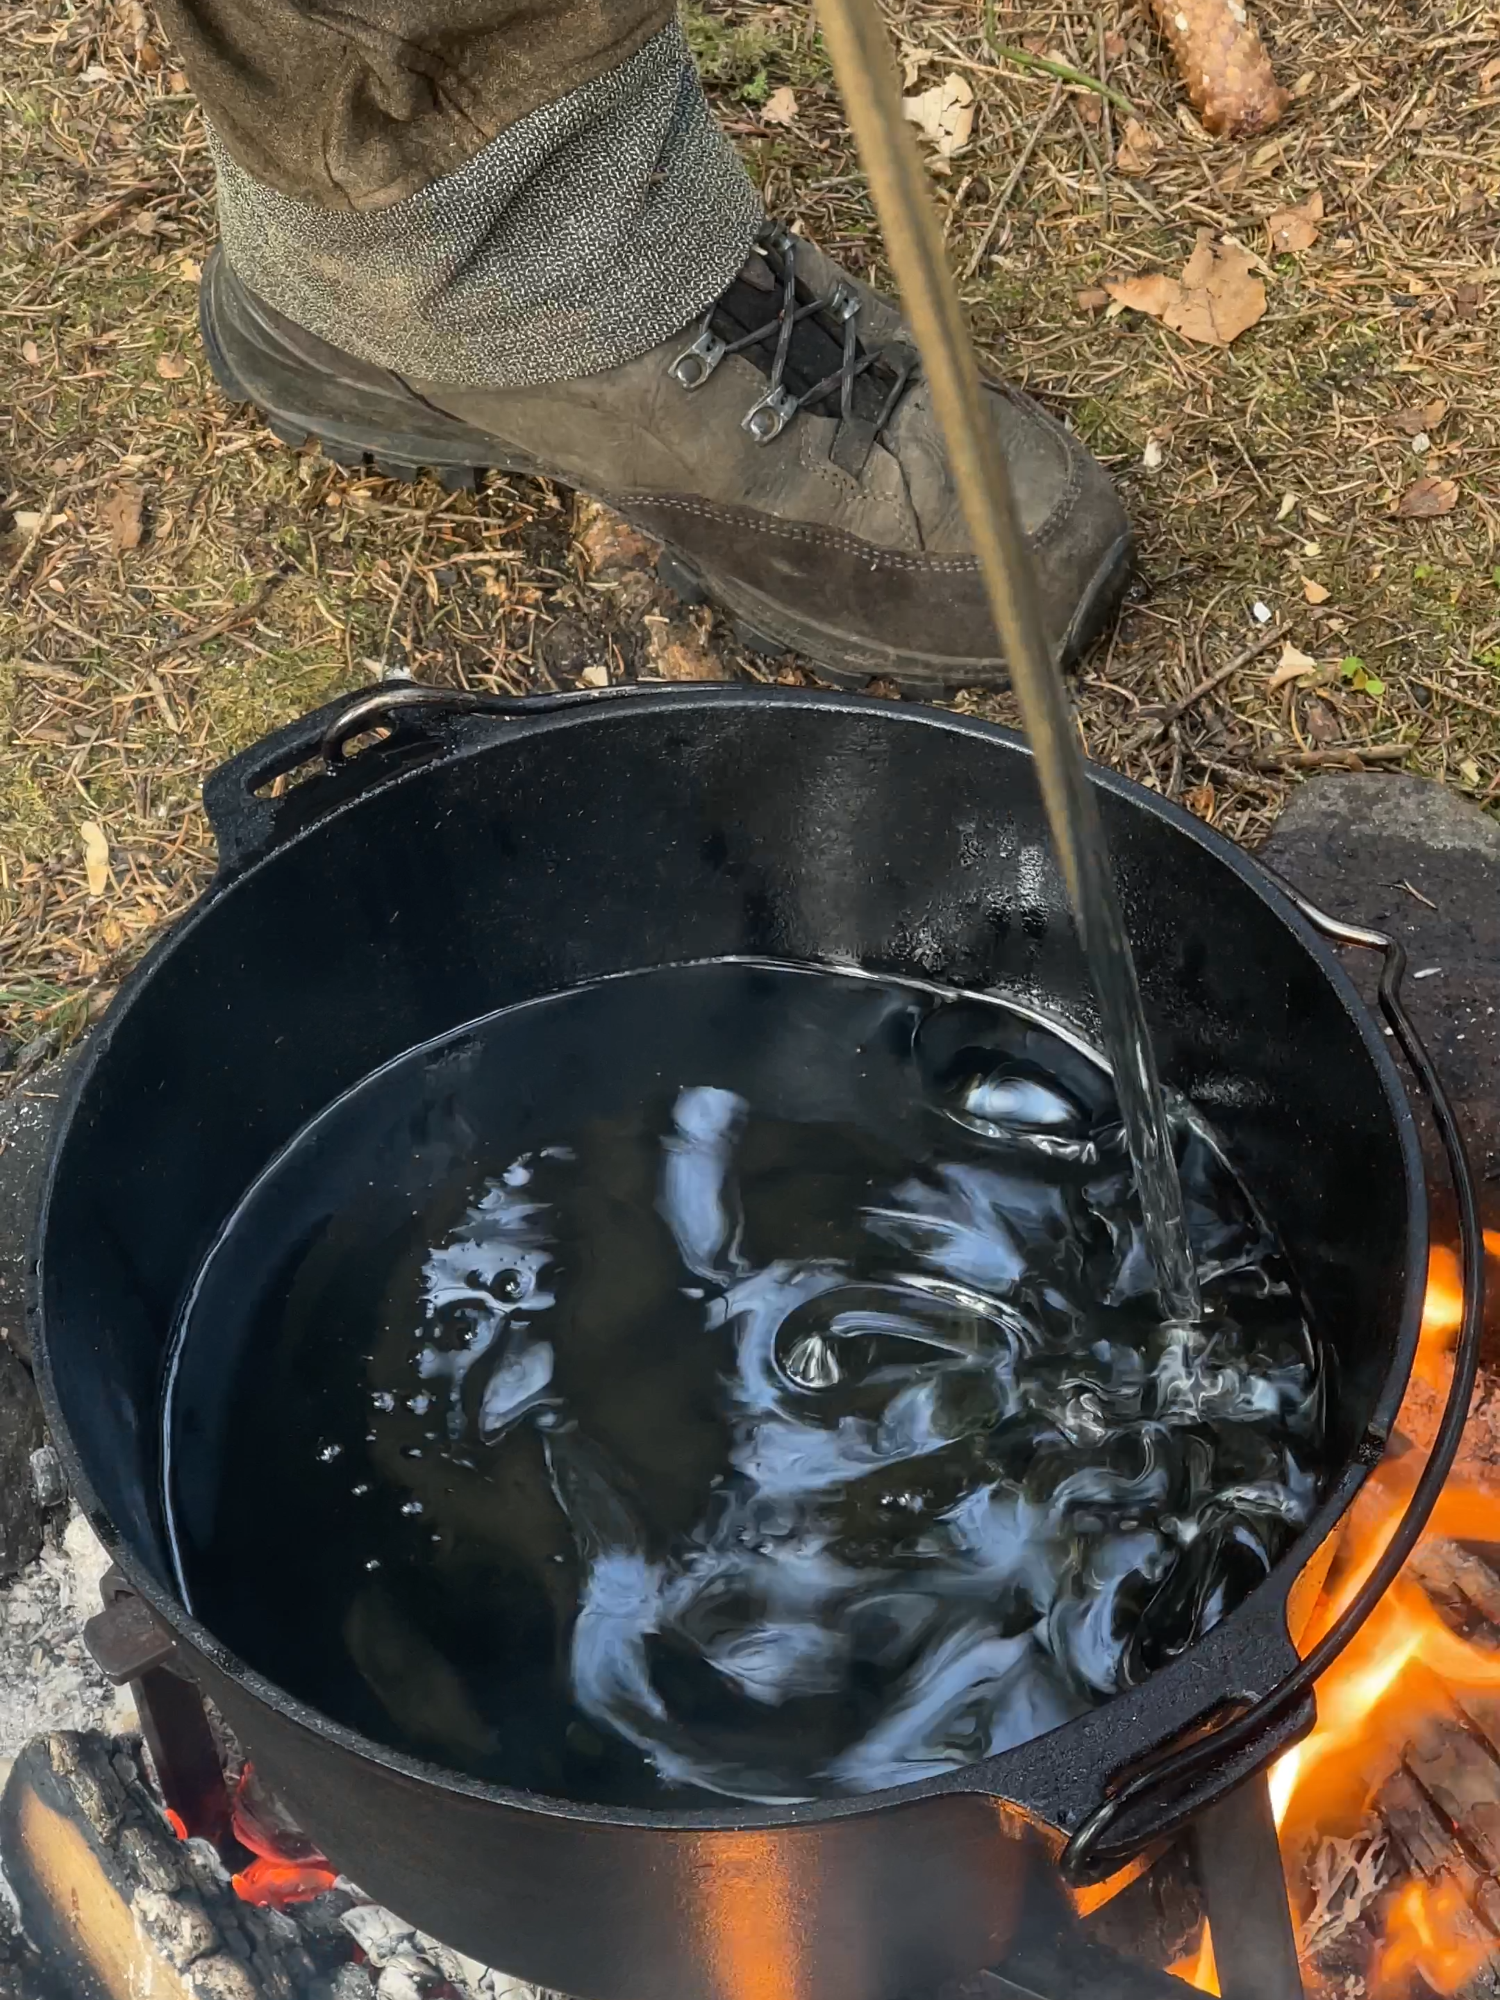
(802, 335)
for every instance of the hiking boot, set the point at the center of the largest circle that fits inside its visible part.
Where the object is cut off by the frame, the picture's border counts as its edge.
(783, 450)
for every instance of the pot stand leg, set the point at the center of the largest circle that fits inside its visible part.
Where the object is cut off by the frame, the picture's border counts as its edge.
(130, 1647)
(1239, 1870)
(1052, 1957)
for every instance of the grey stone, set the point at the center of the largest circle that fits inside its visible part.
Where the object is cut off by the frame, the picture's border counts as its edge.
(47, 1481)
(1409, 857)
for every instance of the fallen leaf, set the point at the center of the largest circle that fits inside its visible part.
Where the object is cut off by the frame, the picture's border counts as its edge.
(1201, 800)
(944, 114)
(1288, 506)
(1315, 593)
(596, 676)
(27, 521)
(610, 543)
(1294, 229)
(1323, 726)
(95, 856)
(1214, 301)
(780, 108)
(122, 517)
(1153, 455)
(675, 651)
(1152, 294)
(1489, 76)
(1136, 153)
(1420, 417)
(1468, 770)
(31, 354)
(149, 56)
(1093, 300)
(1292, 666)
(171, 367)
(177, 79)
(191, 269)
(1114, 45)
(913, 62)
(1427, 500)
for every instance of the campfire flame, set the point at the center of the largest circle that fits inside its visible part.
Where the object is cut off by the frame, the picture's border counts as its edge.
(1402, 1671)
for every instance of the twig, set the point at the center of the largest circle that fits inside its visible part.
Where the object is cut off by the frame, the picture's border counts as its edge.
(1063, 71)
(31, 541)
(1342, 756)
(1174, 711)
(191, 641)
(1010, 186)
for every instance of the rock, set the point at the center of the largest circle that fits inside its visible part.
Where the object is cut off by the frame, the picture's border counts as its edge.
(1409, 857)
(567, 647)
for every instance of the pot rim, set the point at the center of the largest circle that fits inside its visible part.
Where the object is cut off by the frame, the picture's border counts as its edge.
(996, 1779)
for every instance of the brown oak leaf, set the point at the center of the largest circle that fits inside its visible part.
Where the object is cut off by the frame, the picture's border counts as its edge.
(944, 114)
(122, 516)
(1294, 229)
(1420, 417)
(1136, 153)
(1427, 500)
(1215, 300)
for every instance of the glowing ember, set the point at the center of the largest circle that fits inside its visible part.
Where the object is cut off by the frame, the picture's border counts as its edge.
(274, 1884)
(287, 1868)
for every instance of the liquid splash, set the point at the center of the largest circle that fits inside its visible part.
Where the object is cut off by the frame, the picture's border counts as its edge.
(802, 1432)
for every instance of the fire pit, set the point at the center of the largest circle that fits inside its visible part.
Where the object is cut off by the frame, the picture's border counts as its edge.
(1235, 1841)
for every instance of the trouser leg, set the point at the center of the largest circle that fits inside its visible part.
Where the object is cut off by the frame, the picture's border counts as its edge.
(486, 191)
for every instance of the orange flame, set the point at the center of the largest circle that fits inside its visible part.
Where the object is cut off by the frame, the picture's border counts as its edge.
(1430, 1931)
(1398, 1672)
(1200, 1969)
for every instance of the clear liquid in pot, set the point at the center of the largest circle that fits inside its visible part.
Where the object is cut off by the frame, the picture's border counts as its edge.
(729, 1381)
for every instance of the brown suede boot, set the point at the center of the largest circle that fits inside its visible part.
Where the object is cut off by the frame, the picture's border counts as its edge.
(783, 449)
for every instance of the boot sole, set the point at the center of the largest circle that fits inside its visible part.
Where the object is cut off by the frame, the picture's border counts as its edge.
(458, 458)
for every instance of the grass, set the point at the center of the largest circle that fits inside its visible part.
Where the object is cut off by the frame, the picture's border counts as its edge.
(267, 581)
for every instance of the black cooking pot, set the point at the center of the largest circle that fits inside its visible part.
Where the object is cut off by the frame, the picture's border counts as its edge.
(481, 852)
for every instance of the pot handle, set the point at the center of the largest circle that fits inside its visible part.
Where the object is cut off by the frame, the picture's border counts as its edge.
(1156, 1796)
(408, 716)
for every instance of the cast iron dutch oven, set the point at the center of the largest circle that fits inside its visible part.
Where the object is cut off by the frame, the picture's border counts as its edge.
(480, 852)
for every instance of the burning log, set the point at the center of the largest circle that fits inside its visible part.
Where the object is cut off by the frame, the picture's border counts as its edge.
(115, 1905)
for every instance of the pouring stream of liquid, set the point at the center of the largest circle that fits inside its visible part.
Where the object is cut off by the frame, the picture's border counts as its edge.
(866, 78)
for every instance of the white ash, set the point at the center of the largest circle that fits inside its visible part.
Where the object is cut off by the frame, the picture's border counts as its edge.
(404, 1963)
(47, 1679)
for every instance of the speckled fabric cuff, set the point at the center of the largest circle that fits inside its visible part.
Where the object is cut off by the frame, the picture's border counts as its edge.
(583, 235)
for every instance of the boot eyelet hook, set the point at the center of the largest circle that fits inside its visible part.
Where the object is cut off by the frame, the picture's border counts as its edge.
(768, 418)
(695, 364)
